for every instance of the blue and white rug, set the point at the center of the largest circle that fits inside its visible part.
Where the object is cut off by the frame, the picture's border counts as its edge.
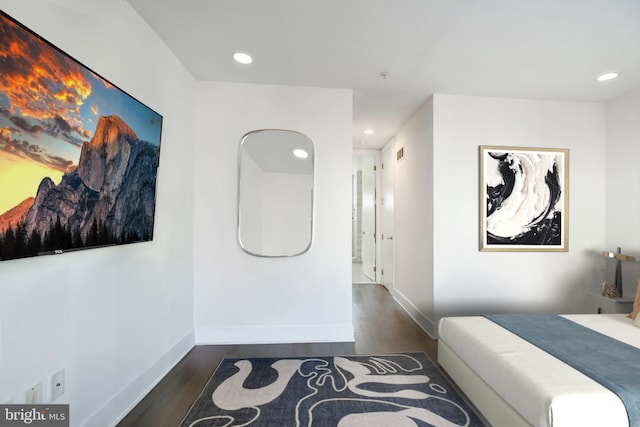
(346, 391)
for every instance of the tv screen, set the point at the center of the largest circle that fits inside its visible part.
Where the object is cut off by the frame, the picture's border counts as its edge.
(78, 156)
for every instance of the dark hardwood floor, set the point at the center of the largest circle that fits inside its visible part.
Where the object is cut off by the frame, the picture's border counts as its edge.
(381, 326)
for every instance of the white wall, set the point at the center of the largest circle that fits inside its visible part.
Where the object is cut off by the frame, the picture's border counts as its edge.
(622, 185)
(240, 298)
(414, 210)
(469, 281)
(463, 280)
(117, 319)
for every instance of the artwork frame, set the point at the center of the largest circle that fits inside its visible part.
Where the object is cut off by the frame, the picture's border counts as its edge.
(79, 156)
(524, 199)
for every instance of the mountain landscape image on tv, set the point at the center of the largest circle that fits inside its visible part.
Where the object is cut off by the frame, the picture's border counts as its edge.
(78, 156)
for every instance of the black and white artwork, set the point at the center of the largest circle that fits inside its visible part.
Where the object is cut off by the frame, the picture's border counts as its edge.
(523, 199)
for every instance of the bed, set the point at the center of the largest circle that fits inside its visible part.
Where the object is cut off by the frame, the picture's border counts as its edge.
(514, 383)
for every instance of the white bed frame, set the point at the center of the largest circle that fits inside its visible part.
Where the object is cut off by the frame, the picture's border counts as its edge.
(495, 409)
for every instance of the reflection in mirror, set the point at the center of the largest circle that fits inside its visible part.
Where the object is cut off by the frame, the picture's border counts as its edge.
(275, 193)
(363, 218)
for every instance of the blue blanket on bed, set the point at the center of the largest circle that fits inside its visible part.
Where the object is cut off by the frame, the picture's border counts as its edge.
(612, 363)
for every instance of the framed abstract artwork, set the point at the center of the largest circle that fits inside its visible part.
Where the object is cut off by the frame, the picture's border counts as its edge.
(78, 156)
(524, 199)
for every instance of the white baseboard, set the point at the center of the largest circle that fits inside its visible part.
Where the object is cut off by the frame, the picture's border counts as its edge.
(119, 405)
(422, 320)
(275, 334)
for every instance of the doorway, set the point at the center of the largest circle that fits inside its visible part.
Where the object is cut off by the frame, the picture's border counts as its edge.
(387, 215)
(363, 217)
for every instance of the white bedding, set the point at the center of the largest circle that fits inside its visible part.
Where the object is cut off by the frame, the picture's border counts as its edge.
(544, 390)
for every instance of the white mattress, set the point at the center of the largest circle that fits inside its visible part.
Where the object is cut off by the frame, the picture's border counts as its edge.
(544, 390)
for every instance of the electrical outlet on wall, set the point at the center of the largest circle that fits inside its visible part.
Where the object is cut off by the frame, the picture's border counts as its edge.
(57, 384)
(33, 395)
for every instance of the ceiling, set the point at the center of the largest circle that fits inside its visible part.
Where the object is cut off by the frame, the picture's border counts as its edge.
(540, 49)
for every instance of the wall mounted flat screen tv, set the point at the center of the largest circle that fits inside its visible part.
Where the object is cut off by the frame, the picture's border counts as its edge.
(78, 156)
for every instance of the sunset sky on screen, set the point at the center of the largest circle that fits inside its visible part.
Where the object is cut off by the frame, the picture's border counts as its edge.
(49, 106)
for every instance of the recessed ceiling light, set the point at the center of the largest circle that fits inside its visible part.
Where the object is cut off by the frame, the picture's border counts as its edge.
(242, 58)
(368, 132)
(300, 153)
(607, 76)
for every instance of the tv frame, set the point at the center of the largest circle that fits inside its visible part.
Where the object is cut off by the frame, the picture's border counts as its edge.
(114, 206)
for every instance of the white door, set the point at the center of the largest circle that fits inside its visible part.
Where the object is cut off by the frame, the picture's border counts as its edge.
(368, 217)
(387, 179)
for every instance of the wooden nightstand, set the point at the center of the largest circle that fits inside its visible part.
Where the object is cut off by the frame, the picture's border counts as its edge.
(606, 305)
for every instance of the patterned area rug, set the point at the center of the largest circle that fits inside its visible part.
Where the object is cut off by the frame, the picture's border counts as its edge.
(346, 391)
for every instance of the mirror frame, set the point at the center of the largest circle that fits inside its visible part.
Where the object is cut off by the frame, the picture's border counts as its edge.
(239, 207)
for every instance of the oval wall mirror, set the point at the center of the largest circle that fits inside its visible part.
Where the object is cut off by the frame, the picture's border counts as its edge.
(275, 193)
